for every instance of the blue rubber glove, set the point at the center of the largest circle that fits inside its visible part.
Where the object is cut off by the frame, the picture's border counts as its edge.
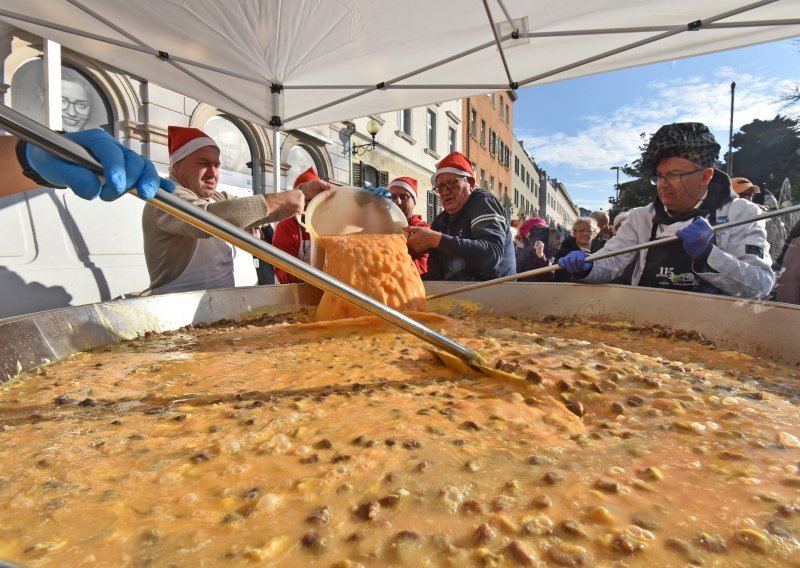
(379, 191)
(123, 168)
(575, 262)
(696, 238)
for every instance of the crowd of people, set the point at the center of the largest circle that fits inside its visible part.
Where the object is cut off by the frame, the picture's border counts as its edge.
(471, 239)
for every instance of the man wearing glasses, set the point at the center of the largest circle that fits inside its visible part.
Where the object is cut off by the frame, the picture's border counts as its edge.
(470, 239)
(692, 196)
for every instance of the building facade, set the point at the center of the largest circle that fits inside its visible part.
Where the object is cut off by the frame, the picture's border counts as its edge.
(487, 140)
(60, 250)
(409, 142)
(555, 204)
(525, 183)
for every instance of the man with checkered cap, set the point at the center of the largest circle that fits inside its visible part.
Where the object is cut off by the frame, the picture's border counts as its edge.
(692, 196)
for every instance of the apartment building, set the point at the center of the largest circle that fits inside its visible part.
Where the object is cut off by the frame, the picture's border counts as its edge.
(525, 183)
(488, 139)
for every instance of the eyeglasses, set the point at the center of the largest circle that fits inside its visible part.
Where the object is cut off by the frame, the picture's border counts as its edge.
(80, 106)
(672, 177)
(449, 185)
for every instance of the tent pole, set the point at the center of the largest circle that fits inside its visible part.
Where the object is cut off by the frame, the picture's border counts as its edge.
(276, 160)
(498, 41)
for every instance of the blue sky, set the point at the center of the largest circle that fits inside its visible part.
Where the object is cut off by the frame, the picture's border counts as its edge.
(578, 129)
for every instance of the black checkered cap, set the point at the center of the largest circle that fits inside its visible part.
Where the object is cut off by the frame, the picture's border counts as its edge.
(690, 140)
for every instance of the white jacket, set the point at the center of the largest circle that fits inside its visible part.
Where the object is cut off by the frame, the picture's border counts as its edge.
(738, 273)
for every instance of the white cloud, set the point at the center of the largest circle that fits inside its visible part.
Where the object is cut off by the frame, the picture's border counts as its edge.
(582, 160)
(613, 139)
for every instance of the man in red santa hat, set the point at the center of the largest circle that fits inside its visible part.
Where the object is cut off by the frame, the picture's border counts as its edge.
(470, 239)
(404, 194)
(291, 238)
(183, 258)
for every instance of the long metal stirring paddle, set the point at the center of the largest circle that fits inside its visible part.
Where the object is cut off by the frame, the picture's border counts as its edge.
(601, 255)
(63, 147)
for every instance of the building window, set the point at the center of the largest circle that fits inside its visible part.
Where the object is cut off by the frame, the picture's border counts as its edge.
(483, 133)
(83, 104)
(508, 114)
(299, 160)
(404, 121)
(491, 142)
(235, 154)
(451, 140)
(434, 206)
(473, 123)
(516, 165)
(483, 179)
(431, 130)
(502, 104)
(492, 98)
(491, 184)
(370, 177)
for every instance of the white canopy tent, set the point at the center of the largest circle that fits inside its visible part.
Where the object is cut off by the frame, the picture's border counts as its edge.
(290, 64)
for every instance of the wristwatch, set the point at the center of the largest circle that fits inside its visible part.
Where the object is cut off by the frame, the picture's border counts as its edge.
(28, 171)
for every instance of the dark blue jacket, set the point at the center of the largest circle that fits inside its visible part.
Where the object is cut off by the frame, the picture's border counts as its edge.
(476, 243)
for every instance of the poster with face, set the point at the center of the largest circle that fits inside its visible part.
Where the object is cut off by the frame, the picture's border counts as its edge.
(83, 105)
(299, 161)
(234, 153)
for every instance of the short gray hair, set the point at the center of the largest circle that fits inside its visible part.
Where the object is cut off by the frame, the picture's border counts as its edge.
(586, 221)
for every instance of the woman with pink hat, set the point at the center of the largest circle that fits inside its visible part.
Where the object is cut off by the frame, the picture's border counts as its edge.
(534, 232)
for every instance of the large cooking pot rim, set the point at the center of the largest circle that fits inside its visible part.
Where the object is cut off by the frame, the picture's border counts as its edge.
(762, 329)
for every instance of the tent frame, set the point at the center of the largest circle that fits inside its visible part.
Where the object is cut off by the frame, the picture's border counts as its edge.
(278, 90)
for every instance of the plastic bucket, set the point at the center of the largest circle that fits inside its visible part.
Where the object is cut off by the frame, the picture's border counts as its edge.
(346, 211)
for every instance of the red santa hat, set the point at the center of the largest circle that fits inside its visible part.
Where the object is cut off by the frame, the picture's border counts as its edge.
(307, 175)
(183, 141)
(409, 184)
(455, 163)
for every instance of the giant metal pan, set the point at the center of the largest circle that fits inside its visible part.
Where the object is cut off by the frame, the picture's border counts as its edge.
(766, 330)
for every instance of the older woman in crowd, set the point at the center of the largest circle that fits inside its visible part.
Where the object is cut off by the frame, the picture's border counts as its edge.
(583, 237)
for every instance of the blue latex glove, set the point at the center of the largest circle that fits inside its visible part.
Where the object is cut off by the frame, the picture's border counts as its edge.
(696, 238)
(123, 168)
(575, 262)
(379, 191)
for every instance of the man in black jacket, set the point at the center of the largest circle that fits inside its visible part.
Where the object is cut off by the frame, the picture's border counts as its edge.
(470, 239)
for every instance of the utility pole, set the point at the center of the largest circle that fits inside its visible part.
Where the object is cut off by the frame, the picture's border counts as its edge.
(616, 185)
(730, 136)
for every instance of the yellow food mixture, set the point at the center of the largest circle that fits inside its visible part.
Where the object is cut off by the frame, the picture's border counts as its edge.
(377, 265)
(345, 444)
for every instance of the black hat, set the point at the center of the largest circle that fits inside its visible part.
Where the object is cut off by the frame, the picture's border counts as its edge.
(690, 140)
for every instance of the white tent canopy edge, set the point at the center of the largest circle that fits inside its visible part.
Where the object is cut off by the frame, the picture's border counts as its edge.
(310, 62)
(304, 63)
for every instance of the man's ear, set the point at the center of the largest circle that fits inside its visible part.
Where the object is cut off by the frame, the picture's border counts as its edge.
(708, 173)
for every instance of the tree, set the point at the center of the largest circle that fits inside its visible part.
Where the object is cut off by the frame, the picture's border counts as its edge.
(767, 151)
(791, 95)
(637, 192)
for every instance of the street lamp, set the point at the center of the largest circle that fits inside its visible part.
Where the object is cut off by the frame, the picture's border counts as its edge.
(373, 127)
(616, 185)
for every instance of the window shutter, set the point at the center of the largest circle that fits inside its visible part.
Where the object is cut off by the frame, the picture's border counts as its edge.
(358, 174)
(383, 179)
(434, 207)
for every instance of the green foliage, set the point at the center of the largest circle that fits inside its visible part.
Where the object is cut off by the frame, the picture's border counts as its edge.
(637, 192)
(767, 151)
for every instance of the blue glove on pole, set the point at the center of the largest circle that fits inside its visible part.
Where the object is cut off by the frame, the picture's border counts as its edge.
(696, 238)
(575, 262)
(379, 191)
(122, 168)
